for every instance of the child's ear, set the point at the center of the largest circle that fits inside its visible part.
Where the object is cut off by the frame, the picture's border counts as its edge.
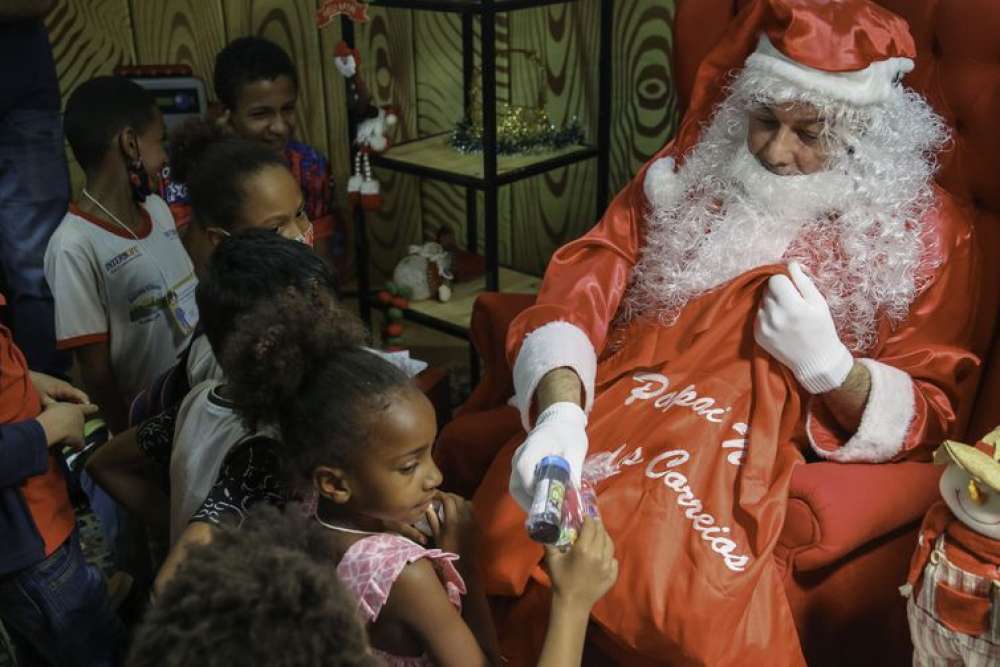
(225, 120)
(128, 141)
(215, 236)
(332, 483)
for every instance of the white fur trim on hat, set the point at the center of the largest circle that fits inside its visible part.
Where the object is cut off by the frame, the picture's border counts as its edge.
(870, 85)
(661, 184)
(554, 345)
(884, 422)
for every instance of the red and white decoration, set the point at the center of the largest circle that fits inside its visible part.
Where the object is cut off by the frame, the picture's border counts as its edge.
(371, 138)
(373, 126)
(355, 10)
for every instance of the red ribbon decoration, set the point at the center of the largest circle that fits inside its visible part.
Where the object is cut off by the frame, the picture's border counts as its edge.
(356, 10)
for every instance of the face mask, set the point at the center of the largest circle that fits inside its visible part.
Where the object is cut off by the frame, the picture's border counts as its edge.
(138, 178)
(308, 237)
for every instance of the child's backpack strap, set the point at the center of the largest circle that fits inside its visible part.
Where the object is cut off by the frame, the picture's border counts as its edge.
(166, 391)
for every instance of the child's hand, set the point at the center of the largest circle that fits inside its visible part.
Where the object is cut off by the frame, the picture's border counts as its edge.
(584, 574)
(52, 390)
(458, 532)
(406, 530)
(63, 423)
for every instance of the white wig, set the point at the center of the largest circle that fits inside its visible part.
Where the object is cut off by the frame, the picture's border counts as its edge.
(856, 226)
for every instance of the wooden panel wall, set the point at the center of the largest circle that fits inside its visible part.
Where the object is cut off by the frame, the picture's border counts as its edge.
(413, 60)
(389, 65)
(89, 38)
(178, 31)
(559, 204)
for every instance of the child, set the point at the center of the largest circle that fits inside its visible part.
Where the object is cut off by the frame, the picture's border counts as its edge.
(266, 595)
(358, 435)
(123, 284)
(219, 468)
(358, 432)
(257, 85)
(261, 595)
(234, 184)
(249, 269)
(53, 601)
(252, 266)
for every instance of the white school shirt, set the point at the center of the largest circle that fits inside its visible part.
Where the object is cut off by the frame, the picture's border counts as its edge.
(206, 431)
(201, 363)
(110, 286)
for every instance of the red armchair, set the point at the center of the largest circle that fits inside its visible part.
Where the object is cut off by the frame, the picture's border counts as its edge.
(850, 529)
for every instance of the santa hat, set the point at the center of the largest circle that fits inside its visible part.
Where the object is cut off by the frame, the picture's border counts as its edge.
(849, 50)
(343, 50)
(870, 85)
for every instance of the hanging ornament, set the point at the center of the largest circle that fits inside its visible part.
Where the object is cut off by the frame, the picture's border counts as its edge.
(356, 10)
(348, 62)
(374, 124)
(371, 138)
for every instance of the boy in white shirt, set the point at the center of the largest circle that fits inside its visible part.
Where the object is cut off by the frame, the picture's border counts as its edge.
(123, 284)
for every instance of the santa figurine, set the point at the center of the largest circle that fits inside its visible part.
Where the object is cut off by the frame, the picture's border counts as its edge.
(373, 126)
(954, 582)
(372, 137)
(347, 61)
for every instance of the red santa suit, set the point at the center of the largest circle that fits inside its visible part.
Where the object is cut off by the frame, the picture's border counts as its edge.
(704, 426)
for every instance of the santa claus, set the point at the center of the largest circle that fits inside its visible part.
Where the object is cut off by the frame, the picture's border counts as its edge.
(783, 280)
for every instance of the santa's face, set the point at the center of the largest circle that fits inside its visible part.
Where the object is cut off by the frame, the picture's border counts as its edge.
(346, 65)
(786, 139)
(981, 515)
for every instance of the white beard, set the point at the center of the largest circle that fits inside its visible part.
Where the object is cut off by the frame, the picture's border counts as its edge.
(725, 214)
(755, 221)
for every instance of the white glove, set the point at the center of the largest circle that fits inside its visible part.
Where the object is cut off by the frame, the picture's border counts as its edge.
(794, 325)
(559, 431)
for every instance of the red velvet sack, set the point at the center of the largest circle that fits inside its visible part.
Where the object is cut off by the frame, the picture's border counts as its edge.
(698, 421)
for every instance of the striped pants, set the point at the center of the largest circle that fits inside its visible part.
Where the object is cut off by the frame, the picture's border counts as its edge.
(935, 645)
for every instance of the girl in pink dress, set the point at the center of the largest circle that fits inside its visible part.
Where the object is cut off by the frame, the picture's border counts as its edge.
(358, 434)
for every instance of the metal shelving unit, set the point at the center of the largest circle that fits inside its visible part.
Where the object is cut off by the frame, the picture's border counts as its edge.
(431, 157)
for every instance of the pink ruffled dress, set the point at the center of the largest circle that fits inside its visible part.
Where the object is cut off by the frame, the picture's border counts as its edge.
(371, 566)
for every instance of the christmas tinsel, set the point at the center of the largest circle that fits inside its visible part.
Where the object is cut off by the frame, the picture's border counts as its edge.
(517, 133)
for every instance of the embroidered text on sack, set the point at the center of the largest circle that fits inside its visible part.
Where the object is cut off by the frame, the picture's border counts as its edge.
(703, 523)
(655, 384)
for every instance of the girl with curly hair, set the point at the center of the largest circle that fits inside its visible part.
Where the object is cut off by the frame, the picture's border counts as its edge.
(357, 438)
